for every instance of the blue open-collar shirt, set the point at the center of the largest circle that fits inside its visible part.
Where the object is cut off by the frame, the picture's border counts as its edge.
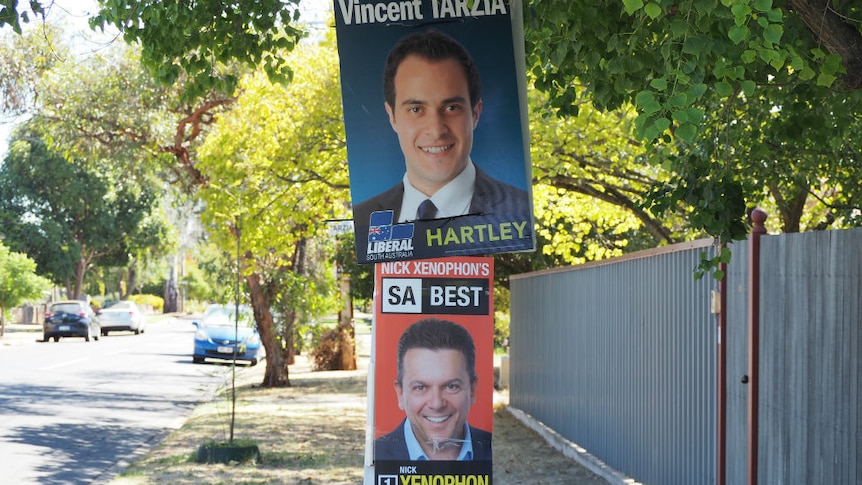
(418, 454)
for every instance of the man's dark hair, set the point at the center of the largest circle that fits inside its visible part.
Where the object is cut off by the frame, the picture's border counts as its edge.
(434, 334)
(434, 46)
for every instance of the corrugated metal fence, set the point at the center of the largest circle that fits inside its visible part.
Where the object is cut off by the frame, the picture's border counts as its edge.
(810, 360)
(620, 358)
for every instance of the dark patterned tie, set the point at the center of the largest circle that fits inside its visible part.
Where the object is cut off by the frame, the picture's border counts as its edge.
(427, 210)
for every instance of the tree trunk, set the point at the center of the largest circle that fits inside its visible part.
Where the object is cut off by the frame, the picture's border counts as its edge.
(839, 34)
(170, 305)
(790, 209)
(80, 270)
(347, 332)
(288, 332)
(276, 374)
(347, 347)
(288, 337)
(131, 281)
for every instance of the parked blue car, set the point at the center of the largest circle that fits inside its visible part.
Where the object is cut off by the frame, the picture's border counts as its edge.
(220, 333)
(71, 318)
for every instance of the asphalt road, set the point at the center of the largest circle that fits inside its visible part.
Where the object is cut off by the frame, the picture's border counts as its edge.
(75, 412)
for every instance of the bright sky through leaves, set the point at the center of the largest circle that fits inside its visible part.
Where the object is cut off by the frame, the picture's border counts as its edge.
(73, 14)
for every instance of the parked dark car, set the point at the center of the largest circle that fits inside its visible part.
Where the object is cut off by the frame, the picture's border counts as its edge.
(220, 333)
(70, 318)
(121, 315)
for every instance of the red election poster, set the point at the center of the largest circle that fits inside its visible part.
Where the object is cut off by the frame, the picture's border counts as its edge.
(433, 371)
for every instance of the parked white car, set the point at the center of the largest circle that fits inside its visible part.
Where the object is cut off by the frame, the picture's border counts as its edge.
(122, 315)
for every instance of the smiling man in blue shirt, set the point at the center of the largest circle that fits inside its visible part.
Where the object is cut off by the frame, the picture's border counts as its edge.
(436, 385)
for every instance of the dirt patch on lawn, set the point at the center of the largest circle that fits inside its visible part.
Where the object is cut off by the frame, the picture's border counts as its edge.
(314, 433)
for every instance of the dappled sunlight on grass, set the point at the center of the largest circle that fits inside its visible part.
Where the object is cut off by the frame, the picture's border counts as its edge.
(313, 432)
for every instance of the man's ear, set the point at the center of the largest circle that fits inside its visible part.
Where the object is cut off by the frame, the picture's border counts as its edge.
(391, 114)
(477, 110)
(400, 394)
(473, 386)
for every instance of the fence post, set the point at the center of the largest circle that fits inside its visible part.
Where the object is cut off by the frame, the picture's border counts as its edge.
(758, 217)
(721, 458)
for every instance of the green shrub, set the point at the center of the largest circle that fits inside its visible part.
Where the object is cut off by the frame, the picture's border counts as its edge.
(144, 300)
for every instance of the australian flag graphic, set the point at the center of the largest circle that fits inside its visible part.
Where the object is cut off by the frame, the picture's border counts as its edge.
(381, 228)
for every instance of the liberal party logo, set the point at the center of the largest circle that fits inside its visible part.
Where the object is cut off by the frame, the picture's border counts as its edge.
(386, 237)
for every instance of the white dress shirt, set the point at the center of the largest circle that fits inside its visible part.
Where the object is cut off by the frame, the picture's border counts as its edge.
(453, 199)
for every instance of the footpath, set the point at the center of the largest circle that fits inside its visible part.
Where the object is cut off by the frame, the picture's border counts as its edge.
(18, 334)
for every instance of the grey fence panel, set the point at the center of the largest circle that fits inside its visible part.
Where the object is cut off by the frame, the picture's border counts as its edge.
(810, 358)
(736, 428)
(620, 358)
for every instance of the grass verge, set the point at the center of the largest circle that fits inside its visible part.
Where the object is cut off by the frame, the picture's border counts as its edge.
(310, 433)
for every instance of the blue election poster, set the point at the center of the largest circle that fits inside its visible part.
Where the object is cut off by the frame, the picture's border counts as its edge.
(435, 117)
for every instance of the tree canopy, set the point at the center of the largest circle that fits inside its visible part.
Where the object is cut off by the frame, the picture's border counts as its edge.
(715, 85)
(11, 15)
(201, 41)
(67, 215)
(18, 282)
(275, 170)
(722, 105)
